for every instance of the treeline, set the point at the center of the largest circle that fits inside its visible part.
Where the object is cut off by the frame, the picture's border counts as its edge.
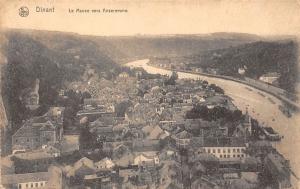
(214, 114)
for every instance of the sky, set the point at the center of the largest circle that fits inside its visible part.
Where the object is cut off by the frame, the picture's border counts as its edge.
(262, 17)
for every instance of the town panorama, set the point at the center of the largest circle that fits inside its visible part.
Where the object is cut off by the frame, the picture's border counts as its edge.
(216, 111)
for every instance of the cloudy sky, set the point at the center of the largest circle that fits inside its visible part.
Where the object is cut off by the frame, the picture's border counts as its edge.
(264, 17)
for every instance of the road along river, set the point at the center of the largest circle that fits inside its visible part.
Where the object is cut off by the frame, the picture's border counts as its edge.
(261, 106)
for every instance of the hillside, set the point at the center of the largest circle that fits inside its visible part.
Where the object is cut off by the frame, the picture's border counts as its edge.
(28, 59)
(123, 48)
(259, 58)
(136, 47)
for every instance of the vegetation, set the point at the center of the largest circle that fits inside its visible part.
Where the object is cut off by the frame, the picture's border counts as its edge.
(216, 88)
(259, 58)
(172, 79)
(216, 113)
(29, 59)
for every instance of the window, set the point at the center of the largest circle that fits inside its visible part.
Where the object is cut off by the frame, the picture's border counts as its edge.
(233, 155)
(42, 184)
(228, 150)
(208, 150)
(233, 150)
(221, 156)
(228, 156)
(224, 151)
(219, 151)
(26, 185)
(36, 184)
(31, 185)
(16, 140)
(20, 186)
(214, 151)
(238, 150)
(242, 155)
(238, 155)
(27, 140)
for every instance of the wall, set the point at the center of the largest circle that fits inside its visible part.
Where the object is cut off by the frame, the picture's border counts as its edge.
(235, 153)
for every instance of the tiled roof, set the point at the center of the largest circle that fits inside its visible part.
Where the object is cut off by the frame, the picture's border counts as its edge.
(147, 129)
(183, 135)
(31, 127)
(26, 131)
(155, 133)
(224, 142)
(84, 162)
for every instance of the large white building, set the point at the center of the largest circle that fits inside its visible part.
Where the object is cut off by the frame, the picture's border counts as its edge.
(232, 153)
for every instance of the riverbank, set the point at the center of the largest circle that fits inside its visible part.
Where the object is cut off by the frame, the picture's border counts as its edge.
(277, 92)
(261, 106)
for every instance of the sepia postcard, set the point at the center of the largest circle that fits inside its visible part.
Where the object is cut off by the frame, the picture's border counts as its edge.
(149, 94)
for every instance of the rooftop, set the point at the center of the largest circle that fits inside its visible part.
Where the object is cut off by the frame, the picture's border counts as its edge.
(22, 178)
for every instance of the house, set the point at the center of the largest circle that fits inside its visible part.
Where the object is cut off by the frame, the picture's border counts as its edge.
(120, 151)
(182, 139)
(154, 133)
(28, 180)
(93, 113)
(51, 179)
(93, 108)
(226, 149)
(105, 163)
(123, 75)
(241, 71)
(35, 133)
(145, 145)
(146, 158)
(271, 77)
(167, 125)
(38, 131)
(93, 103)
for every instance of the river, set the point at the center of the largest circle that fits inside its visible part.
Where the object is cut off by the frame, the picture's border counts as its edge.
(261, 106)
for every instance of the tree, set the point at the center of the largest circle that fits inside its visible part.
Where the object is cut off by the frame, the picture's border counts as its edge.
(216, 88)
(218, 112)
(172, 79)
